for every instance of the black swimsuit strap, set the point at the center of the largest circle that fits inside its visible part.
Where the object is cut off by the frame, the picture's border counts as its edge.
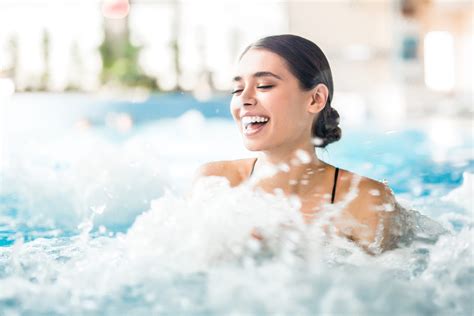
(334, 186)
(253, 166)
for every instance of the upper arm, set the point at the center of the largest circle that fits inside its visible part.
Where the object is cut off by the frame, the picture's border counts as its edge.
(372, 212)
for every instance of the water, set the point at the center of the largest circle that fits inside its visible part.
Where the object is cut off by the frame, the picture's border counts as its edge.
(99, 221)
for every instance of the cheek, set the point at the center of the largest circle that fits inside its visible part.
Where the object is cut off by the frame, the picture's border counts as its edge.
(284, 112)
(234, 110)
(281, 102)
(289, 115)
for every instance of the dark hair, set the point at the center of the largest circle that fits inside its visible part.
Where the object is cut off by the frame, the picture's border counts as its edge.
(307, 62)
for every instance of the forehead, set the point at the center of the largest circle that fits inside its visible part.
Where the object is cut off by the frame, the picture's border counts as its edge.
(256, 60)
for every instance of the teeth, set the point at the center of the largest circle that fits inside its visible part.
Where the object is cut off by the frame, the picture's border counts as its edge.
(246, 120)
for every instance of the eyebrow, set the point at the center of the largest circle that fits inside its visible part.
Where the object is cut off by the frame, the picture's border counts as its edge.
(259, 75)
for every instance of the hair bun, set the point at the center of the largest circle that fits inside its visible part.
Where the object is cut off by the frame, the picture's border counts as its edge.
(326, 128)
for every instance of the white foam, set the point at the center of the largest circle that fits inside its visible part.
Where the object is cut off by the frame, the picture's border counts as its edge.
(181, 248)
(462, 195)
(214, 224)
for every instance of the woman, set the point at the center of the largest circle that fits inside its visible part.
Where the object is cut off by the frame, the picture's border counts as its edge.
(281, 103)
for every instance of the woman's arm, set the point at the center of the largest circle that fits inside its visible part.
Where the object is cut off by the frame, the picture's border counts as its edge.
(372, 212)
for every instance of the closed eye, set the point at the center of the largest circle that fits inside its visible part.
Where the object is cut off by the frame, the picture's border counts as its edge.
(259, 87)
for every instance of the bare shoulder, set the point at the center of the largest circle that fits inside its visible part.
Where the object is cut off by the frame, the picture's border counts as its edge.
(233, 170)
(363, 193)
(371, 204)
(213, 168)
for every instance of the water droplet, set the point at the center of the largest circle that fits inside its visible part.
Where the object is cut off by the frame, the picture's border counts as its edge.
(317, 141)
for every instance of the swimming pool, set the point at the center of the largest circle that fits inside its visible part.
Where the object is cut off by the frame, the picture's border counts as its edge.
(94, 218)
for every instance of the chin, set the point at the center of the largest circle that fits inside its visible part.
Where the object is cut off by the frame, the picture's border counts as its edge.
(253, 146)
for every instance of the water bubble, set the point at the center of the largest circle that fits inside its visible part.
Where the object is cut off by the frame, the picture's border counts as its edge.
(303, 156)
(317, 141)
(102, 229)
(98, 209)
(295, 201)
(388, 207)
(374, 192)
(283, 167)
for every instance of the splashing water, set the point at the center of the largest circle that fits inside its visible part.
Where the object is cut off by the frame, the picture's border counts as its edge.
(104, 227)
(193, 255)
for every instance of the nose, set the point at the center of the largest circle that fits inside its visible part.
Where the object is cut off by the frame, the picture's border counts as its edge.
(248, 97)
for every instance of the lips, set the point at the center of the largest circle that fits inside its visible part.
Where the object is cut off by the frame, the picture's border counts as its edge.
(254, 128)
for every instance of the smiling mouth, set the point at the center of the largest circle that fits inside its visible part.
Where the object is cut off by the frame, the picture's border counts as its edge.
(247, 120)
(253, 128)
(254, 125)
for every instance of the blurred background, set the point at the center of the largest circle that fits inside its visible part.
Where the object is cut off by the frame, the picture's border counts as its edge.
(110, 102)
(396, 58)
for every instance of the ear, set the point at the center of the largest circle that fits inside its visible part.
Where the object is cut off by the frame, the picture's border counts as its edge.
(318, 98)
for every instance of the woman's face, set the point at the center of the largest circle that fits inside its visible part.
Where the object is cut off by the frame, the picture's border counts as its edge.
(265, 90)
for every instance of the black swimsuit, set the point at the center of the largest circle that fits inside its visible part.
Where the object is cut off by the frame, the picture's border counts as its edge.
(333, 187)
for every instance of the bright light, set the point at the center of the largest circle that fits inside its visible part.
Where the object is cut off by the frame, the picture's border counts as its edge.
(7, 87)
(115, 9)
(439, 61)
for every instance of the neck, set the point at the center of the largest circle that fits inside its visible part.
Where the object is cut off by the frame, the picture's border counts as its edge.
(287, 169)
(295, 157)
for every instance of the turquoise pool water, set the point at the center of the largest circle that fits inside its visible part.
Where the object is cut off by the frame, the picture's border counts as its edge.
(95, 219)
